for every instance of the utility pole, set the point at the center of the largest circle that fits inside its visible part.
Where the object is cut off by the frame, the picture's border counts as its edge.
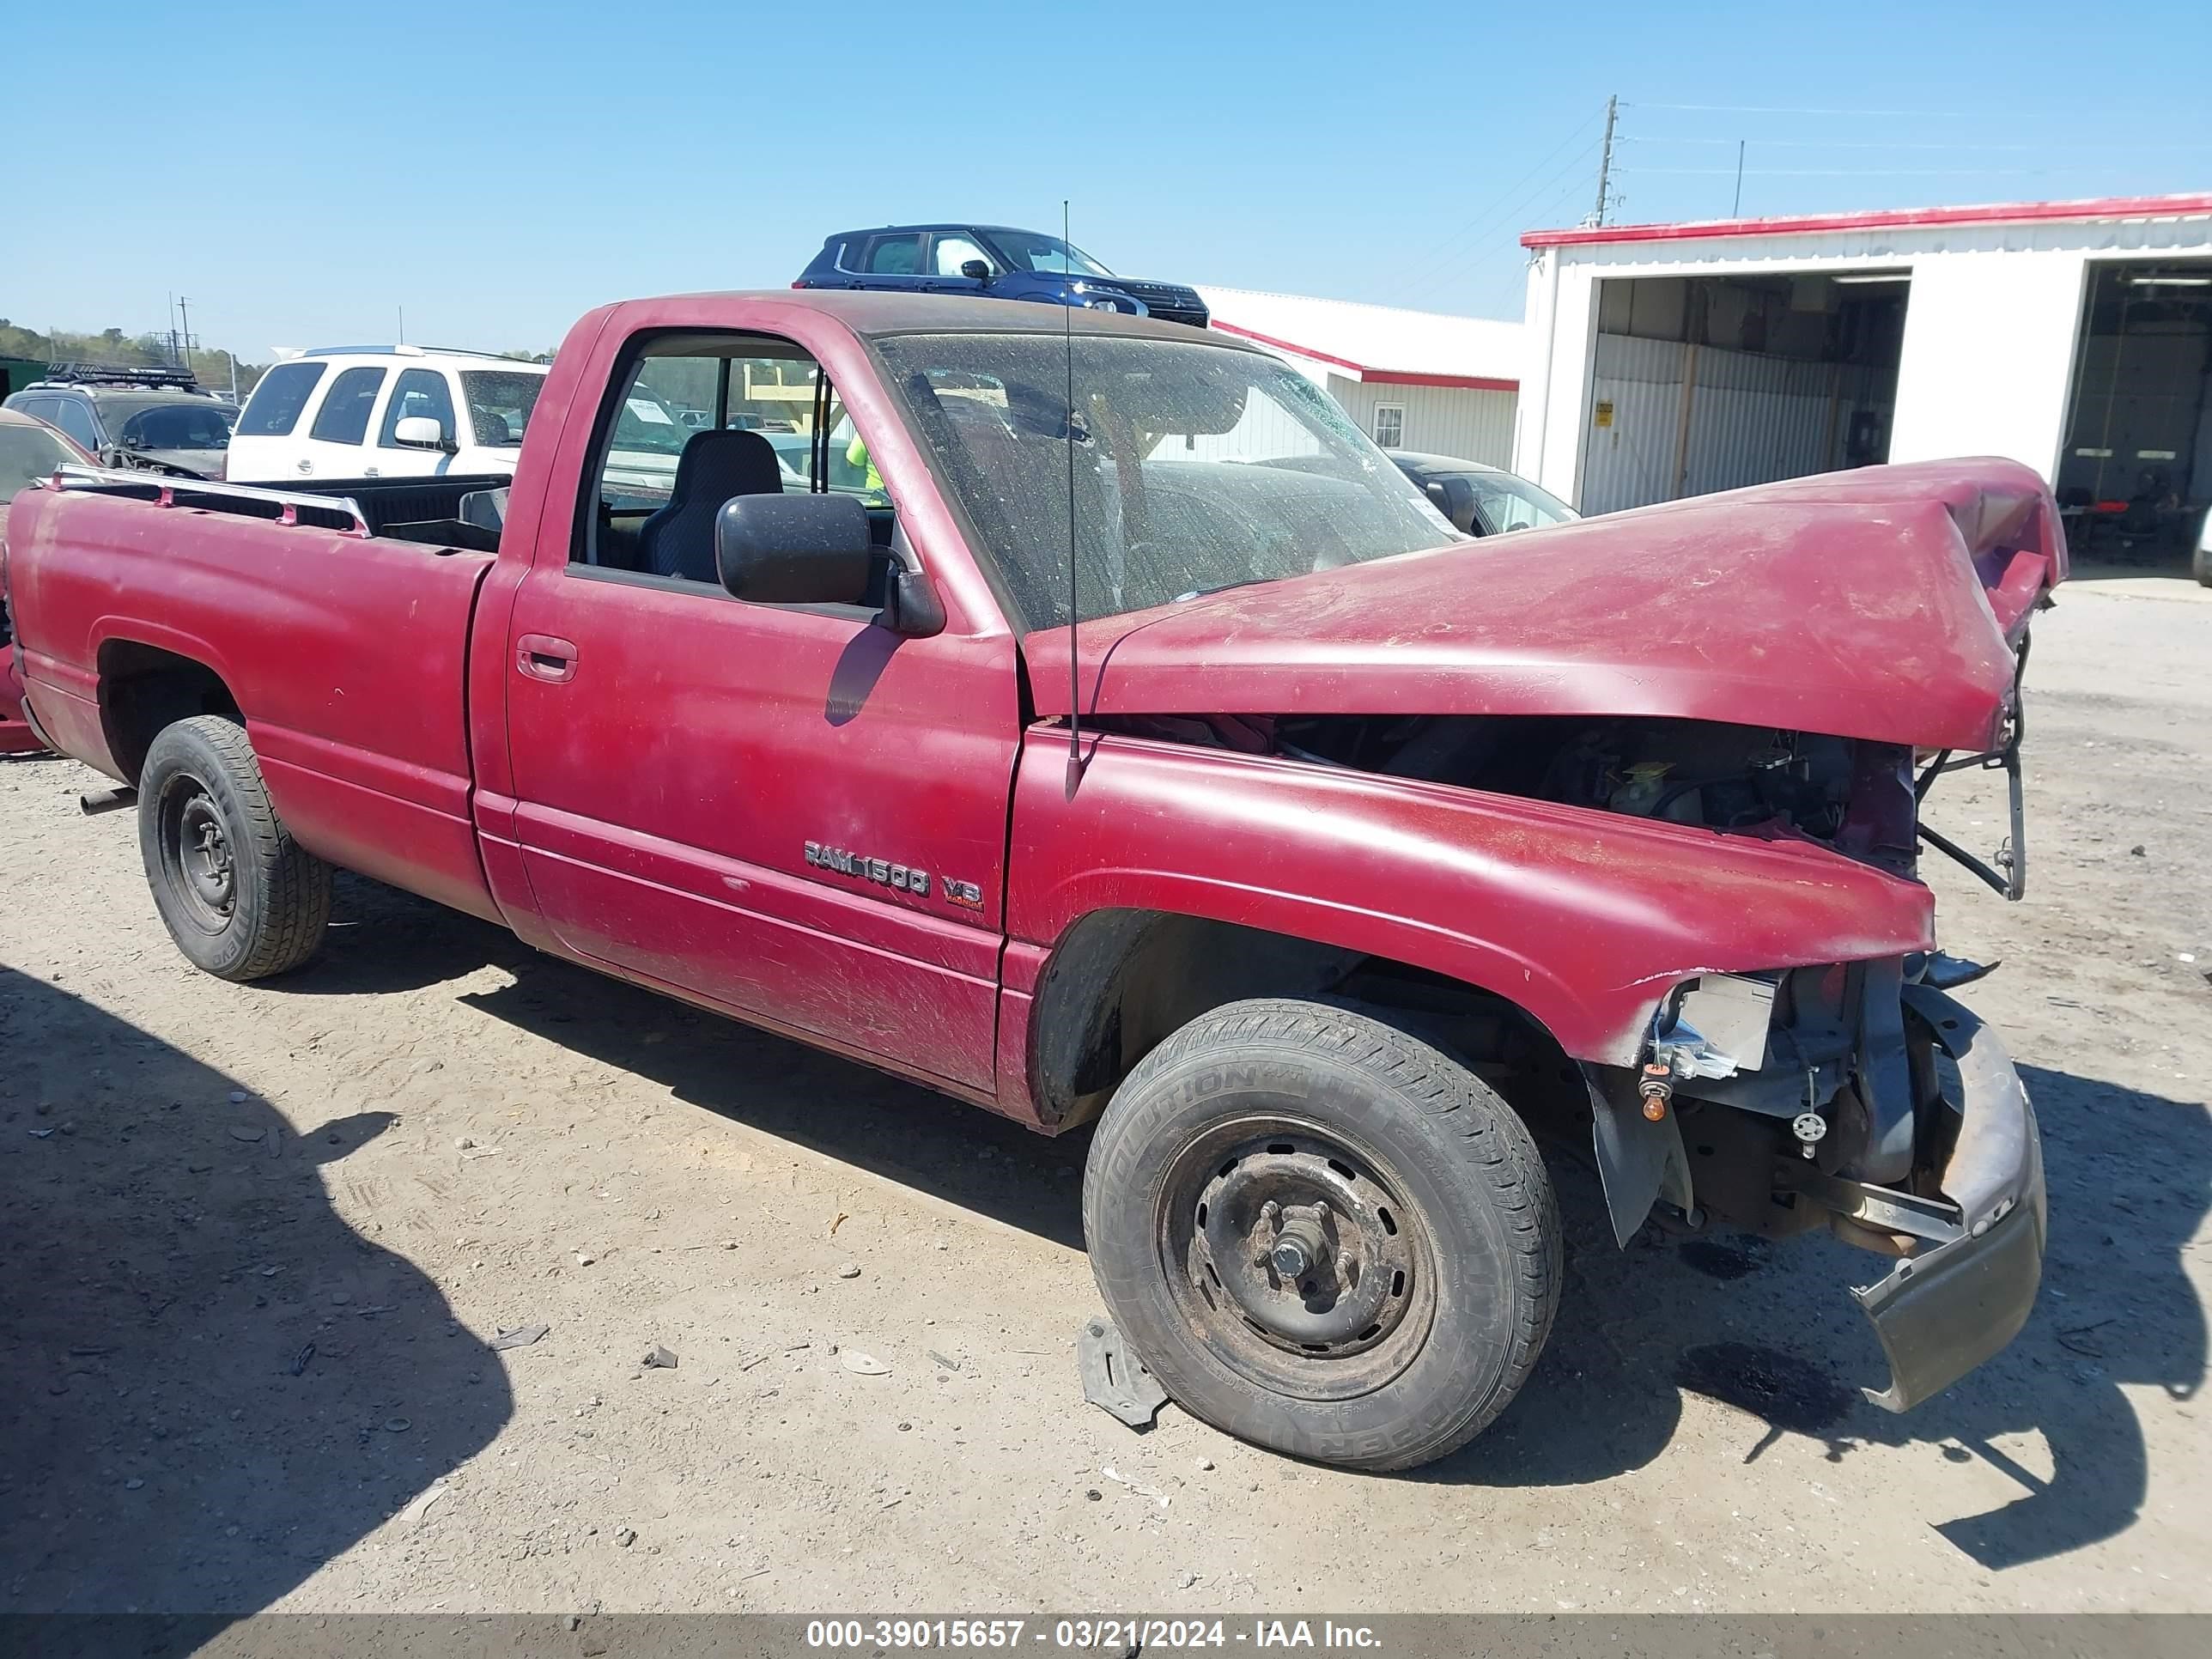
(1605, 161)
(1736, 211)
(184, 318)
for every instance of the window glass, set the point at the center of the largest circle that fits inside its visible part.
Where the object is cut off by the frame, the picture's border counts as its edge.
(500, 402)
(27, 454)
(74, 417)
(1506, 502)
(1390, 426)
(1195, 467)
(343, 417)
(1032, 250)
(895, 256)
(776, 399)
(274, 409)
(177, 425)
(953, 252)
(418, 392)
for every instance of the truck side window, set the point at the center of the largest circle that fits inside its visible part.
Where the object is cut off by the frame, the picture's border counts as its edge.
(343, 417)
(418, 391)
(689, 428)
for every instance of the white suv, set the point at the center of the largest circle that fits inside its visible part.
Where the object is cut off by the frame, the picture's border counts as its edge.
(384, 412)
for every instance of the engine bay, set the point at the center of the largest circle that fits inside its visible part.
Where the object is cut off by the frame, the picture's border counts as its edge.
(1855, 796)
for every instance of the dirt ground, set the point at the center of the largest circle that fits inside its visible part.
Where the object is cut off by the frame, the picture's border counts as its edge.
(259, 1243)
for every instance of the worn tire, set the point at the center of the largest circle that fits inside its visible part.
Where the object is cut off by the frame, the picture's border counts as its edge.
(1412, 1125)
(201, 777)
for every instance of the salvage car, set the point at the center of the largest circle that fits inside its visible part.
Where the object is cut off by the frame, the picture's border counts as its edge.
(1101, 773)
(1480, 500)
(155, 418)
(995, 262)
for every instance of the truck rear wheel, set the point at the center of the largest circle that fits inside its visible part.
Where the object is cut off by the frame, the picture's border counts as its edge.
(1322, 1234)
(242, 898)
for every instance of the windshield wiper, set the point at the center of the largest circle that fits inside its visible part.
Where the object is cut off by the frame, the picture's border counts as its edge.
(1223, 587)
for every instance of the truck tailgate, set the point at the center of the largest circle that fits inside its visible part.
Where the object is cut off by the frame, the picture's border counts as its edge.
(348, 656)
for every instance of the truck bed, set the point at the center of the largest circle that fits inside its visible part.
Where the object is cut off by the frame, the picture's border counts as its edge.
(348, 651)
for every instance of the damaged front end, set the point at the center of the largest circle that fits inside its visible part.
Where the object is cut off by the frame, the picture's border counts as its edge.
(1859, 1097)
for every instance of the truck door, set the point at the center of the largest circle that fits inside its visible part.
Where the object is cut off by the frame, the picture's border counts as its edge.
(786, 809)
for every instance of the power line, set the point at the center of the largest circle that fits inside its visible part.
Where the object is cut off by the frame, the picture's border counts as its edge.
(1546, 191)
(1776, 109)
(1870, 172)
(1847, 143)
(1426, 263)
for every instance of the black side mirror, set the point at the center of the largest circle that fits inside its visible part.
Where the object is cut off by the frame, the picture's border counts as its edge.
(794, 550)
(1454, 498)
(976, 270)
(913, 608)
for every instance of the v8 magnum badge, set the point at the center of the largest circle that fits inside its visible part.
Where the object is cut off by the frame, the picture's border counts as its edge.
(899, 878)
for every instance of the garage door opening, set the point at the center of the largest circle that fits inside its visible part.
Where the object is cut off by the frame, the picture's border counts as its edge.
(1706, 383)
(2135, 474)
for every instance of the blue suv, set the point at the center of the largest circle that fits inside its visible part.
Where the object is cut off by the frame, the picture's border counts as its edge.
(995, 261)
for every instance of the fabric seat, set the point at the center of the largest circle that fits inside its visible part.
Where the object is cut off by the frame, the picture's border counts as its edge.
(678, 540)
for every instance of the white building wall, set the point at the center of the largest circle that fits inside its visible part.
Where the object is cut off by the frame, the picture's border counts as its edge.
(1454, 420)
(1987, 358)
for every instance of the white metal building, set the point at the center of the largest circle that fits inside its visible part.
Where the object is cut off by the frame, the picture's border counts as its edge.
(1670, 360)
(1414, 380)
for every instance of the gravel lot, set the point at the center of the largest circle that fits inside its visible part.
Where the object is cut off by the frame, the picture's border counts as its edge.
(260, 1242)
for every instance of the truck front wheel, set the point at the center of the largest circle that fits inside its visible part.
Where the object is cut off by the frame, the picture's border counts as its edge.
(1322, 1234)
(242, 898)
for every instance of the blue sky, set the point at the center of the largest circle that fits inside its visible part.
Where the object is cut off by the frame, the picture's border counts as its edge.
(496, 170)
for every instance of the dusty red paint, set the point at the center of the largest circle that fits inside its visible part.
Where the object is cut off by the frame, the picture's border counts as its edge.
(1878, 604)
(649, 816)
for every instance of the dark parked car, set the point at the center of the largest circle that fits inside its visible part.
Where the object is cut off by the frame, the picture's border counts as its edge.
(996, 262)
(1481, 500)
(157, 417)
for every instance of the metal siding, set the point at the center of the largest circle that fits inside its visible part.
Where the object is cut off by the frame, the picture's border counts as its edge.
(1631, 462)
(1467, 425)
(1753, 419)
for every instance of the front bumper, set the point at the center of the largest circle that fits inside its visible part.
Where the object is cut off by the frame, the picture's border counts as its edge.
(1949, 1308)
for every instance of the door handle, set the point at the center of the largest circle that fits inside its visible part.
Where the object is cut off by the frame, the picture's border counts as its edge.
(542, 657)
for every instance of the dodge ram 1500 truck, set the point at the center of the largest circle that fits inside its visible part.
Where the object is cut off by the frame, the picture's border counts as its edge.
(1147, 751)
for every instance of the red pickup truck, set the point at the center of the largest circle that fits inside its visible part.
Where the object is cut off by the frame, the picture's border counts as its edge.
(1137, 745)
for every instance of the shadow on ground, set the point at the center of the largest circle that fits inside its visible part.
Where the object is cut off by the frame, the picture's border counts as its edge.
(1768, 1330)
(210, 1384)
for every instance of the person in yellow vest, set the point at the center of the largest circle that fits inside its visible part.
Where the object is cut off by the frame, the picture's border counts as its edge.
(856, 456)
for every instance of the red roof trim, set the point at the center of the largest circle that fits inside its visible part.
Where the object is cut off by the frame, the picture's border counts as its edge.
(2110, 207)
(1378, 376)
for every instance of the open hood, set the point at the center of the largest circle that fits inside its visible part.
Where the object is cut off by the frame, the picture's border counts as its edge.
(1882, 603)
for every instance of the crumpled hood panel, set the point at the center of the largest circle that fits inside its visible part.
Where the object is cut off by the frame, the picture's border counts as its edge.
(1881, 604)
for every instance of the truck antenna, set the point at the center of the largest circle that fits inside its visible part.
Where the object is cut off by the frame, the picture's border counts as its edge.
(1074, 670)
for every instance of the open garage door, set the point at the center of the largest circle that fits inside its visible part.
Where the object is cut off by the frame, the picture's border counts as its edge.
(2135, 474)
(1706, 383)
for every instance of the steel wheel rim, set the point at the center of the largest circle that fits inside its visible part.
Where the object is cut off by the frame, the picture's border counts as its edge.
(197, 856)
(1266, 1192)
